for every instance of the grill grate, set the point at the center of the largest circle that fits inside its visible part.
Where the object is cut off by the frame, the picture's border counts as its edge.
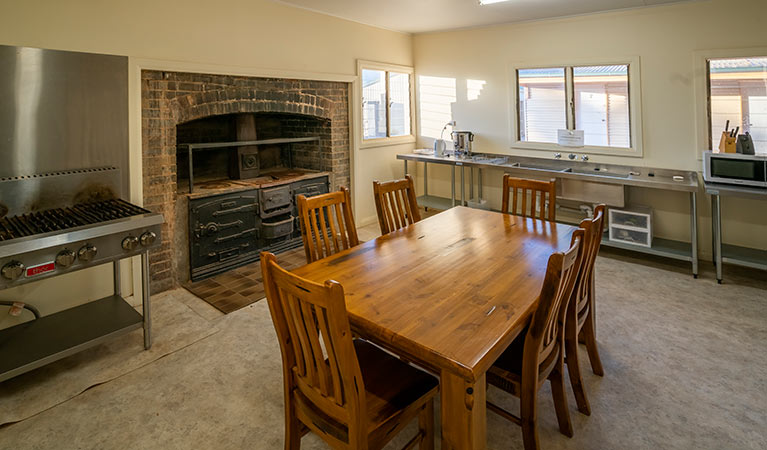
(64, 218)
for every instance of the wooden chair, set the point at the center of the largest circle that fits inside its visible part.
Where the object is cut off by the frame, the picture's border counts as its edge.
(538, 354)
(396, 204)
(349, 392)
(580, 315)
(534, 187)
(327, 224)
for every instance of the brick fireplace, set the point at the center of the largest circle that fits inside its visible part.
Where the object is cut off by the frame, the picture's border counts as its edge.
(171, 101)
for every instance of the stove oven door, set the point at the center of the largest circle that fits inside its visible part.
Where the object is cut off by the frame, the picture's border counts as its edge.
(224, 232)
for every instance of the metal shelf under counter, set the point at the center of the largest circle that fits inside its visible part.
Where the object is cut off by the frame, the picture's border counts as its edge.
(41, 341)
(732, 254)
(652, 178)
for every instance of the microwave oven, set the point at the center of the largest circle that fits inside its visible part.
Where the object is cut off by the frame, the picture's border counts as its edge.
(735, 168)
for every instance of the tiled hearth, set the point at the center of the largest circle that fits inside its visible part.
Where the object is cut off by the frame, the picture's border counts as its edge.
(172, 98)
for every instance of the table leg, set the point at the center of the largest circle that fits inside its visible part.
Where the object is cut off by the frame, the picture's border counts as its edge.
(145, 305)
(405, 166)
(425, 179)
(116, 275)
(464, 413)
(713, 232)
(452, 183)
(463, 188)
(479, 183)
(694, 232)
(717, 219)
(471, 183)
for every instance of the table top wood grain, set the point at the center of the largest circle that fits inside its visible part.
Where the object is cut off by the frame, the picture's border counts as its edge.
(451, 291)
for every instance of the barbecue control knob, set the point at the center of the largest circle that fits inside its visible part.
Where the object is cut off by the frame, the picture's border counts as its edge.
(12, 270)
(65, 258)
(87, 253)
(148, 238)
(130, 243)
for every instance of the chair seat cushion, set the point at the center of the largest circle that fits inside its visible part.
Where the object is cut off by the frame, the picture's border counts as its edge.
(390, 384)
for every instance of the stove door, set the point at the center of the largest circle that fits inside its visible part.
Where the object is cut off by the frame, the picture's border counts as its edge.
(224, 232)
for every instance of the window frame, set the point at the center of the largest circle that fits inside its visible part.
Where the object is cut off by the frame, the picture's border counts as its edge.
(704, 138)
(634, 98)
(388, 140)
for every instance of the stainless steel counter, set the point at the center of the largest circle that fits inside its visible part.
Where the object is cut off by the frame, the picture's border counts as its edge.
(733, 254)
(648, 177)
(602, 174)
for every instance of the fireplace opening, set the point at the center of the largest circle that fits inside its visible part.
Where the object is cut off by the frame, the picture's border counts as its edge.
(239, 193)
(279, 149)
(253, 202)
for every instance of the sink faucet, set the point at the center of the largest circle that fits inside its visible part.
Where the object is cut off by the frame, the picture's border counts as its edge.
(572, 155)
(585, 158)
(557, 155)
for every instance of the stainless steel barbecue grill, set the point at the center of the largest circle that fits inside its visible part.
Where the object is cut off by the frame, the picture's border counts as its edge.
(88, 226)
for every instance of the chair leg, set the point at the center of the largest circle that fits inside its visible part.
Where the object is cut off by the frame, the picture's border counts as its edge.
(574, 370)
(529, 415)
(292, 426)
(426, 426)
(560, 400)
(588, 334)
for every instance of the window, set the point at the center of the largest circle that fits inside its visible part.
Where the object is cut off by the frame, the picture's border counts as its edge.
(542, 104)
(386, 101)
(596, 99)
(737, 92)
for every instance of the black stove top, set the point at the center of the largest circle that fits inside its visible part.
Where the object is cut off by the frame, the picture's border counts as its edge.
(65, 218)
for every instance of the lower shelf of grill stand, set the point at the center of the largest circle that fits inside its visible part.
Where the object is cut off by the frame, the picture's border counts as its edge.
(34, 344)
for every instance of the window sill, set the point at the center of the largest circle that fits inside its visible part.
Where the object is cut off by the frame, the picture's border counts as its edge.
(588, 150)
(385, 142)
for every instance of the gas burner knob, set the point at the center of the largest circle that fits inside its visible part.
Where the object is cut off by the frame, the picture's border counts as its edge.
(65, 258)
(130, 243)
(87, 253)
(13, 270)
(148, 238)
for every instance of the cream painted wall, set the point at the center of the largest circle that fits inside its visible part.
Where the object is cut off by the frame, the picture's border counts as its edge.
(229, 36)
(665, 38)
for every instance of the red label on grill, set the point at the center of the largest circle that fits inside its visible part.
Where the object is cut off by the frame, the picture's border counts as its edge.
(41, 269)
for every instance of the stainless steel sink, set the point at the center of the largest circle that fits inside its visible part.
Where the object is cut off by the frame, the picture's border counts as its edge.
(541, 167)
(499, 160)
(598, 171)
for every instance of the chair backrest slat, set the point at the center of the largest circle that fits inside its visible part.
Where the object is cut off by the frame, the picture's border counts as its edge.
(546, 204)
(546, 329)
(396, 204)
(312, 325)
(594, 228)
(327, 224)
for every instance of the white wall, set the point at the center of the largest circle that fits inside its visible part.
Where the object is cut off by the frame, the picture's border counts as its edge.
(665, 38)
(228, 36)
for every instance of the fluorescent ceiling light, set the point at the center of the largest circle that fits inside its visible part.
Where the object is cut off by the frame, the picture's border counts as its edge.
(489, 2)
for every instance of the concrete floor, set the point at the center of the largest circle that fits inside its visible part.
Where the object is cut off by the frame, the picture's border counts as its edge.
(684, 362)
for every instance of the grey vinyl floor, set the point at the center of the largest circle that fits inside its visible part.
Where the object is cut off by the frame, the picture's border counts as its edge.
(684, 361)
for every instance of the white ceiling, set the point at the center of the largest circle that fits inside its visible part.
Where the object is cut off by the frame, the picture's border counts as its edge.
(419, 16)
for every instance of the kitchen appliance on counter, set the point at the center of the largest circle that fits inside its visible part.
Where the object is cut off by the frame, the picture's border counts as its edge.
(89, 226)
(735, 168)
(462, 142)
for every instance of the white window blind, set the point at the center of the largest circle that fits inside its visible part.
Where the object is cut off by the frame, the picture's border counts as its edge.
(738, 94)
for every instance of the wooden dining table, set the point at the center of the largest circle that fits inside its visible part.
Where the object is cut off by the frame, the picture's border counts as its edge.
(450, 293)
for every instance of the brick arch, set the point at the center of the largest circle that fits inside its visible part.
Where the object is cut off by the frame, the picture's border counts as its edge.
(171, 98)
(241, 100)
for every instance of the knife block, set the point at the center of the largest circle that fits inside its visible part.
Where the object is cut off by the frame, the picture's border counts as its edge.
(727, 143)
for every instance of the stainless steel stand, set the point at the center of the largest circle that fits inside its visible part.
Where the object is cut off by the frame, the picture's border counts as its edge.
(727, 253)
(145, 306)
